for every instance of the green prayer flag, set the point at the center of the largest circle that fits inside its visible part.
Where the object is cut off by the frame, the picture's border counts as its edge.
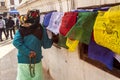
(83, 28)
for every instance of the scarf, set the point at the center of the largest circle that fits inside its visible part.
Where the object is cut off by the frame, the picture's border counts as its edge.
(35, 29)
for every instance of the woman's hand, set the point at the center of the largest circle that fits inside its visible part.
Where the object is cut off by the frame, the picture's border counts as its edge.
(32, 54)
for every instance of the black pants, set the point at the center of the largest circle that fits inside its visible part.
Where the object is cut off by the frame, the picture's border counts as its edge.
(2, 30)
(9, 31)
(1, 34)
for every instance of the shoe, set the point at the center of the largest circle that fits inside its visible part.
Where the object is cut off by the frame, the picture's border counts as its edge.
(7, 38)
(1, 40)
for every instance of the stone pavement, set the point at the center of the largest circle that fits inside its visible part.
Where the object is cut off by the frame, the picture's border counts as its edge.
(5, 47)
(8, 62)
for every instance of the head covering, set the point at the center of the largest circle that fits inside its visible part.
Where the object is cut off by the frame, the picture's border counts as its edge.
(33, 17)
(22, 19)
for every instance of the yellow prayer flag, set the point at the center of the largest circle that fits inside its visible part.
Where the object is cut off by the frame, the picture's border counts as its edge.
(107, 29)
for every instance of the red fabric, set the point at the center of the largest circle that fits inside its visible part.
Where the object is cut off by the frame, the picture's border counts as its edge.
(68, 20)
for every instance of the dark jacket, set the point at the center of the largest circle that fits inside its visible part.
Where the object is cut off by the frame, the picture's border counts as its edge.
(10, 24)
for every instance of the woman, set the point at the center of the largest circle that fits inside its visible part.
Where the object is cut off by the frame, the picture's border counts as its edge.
(28, 40)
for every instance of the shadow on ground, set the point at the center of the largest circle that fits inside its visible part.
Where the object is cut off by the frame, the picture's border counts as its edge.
(5, 42)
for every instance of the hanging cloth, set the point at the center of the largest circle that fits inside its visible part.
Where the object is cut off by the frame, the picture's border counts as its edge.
(46, 42)
(101, 54)
(117, 57)
(101, 9)
(62, 41)
(116, 64)
(55, 21)
(72, 44)
(106, 29)
(42, 19)
(68, 20)
(47, 19)
(82, 29)
(49, 33)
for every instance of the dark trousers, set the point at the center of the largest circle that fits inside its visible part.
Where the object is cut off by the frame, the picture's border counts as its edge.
(13, 30)
(9, 31)
(4, 31)
(1, 34)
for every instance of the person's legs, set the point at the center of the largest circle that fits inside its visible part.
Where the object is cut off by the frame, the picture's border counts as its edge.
(38, 72)
(5, 33)
(23, 72)
(11, 34)
(1, 35)
(13, 30)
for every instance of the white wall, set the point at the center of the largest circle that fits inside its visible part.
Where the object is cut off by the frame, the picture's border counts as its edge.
(2, 0)
(82, 3)
(8, 5)
(65, 5)
(64, 65)
(16, 3)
